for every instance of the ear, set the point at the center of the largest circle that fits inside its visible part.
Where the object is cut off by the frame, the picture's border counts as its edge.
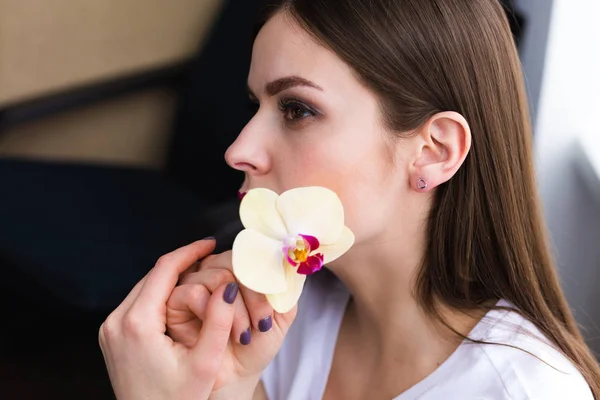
(443, 143)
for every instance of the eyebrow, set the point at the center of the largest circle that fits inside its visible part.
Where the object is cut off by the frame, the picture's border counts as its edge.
(281, 84)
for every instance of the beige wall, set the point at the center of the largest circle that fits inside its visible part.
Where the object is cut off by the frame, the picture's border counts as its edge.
(129, 131)
(50, 45)
(47, 46)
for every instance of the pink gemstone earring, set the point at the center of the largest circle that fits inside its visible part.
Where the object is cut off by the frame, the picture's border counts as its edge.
(421, 184)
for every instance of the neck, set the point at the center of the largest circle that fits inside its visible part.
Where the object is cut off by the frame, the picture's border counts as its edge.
(384, 315)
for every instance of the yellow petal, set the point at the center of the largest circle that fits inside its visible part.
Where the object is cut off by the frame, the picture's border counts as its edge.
(258, 211)
(285, 301)
(342, 245)
(314, 211)
(258, 262)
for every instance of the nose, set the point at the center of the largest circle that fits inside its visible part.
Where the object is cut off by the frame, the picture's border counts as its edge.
(249, 152)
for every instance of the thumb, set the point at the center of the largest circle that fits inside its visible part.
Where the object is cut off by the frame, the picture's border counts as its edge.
(216, 328)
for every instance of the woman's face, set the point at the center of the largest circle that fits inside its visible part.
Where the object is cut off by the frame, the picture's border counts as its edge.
(316, 124)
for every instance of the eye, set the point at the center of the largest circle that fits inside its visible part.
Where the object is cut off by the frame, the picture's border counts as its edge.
(294, 110)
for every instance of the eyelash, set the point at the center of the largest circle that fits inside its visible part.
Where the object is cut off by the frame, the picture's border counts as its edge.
(289, 105)
(286, 105)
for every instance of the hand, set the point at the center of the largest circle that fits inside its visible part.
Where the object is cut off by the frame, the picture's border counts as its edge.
(257, 332)
(143, 362)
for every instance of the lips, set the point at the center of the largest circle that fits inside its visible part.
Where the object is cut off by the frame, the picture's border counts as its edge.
(241, 195)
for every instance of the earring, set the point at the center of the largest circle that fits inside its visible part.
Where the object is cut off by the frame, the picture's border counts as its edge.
(421, 184)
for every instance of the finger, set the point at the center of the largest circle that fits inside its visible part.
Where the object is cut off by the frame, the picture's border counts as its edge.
(164, 276)
(195, 267)
(185, 311)
(259, 309)
(221, 260)
(210, 262)
(214, 278)
(270, 341)
(116, 317)
(215, 332)
(187, 301)
(241, 331)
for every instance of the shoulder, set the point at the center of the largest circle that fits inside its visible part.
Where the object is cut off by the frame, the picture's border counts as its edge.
(525, 363)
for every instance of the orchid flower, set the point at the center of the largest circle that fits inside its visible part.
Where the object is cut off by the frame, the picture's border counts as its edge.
(286, 238)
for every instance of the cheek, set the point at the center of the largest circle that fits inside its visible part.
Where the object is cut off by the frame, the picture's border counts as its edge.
(366, 210)
(317, 167)
(307, 164)
(370, 192)
(354, 165)
(364, 185)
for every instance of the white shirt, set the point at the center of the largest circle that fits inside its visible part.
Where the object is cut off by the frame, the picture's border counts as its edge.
(473, 372)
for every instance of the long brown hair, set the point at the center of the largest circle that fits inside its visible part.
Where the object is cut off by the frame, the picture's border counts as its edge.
(486, 237)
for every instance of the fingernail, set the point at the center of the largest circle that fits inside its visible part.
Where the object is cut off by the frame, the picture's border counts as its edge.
(231, 292)
(245, 337)
(265, 324)
(209, 238)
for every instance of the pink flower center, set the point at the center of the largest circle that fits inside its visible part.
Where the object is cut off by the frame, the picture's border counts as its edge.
(298, 251)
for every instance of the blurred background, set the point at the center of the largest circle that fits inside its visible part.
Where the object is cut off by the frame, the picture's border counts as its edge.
(114, 117)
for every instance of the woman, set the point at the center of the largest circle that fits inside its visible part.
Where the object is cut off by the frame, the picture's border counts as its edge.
(414, 113)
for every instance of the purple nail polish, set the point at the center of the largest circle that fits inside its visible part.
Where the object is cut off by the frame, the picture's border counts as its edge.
(230, 293)
(265, 324)
(245, 337)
